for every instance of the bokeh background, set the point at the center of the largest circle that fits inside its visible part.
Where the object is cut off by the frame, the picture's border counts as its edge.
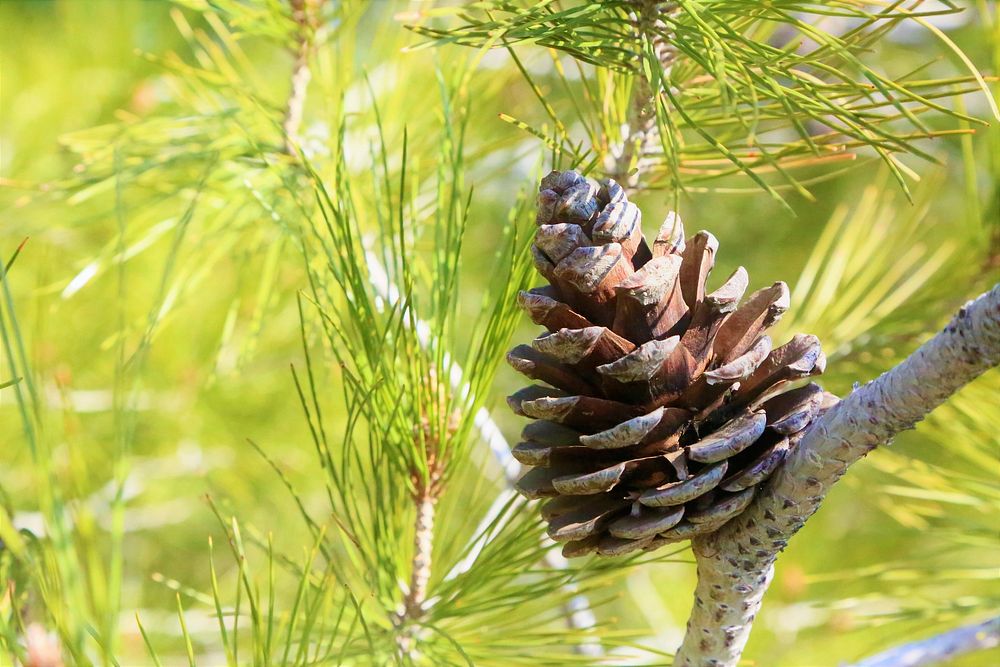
(906, 546)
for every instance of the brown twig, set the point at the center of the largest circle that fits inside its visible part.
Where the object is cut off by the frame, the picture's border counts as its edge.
(427, 484)
(426, 489)
(423, 542)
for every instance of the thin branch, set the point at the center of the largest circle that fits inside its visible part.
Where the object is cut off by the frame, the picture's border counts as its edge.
(636, 134)
(412, 608)
(577, 610)
(735, 564)
(639, 132)
(303, 12)
(936, 649)
(297, 98)
(427, 491)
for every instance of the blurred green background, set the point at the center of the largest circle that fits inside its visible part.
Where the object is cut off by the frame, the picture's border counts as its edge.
(906, 546)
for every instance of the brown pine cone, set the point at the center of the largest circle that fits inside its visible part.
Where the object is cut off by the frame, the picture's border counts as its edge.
(663, 406)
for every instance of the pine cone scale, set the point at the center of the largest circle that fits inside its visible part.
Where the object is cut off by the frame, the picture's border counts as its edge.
(730, 439)
(590, 483)
(747, 323)
(697, 262)
(742, 366)
(582, 521)
(650, 305)
(723, 507)
(678, 493)
(550, 313)
(647, 524)
(759, 470)
(789, 413)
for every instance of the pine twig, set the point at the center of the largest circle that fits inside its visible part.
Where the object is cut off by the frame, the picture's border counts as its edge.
(939, 648)
(636, 134)
(426, 493)
(735, 564)
(412, 608)
(303, 12)
(639, 132)
(296, 100)
(577, 611)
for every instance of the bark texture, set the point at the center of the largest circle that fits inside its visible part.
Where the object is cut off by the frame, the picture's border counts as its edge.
(423, 546)
(735, 564)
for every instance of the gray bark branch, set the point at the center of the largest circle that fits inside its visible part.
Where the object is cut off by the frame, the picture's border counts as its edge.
(939, 648)
(735, 564)
(412, 609)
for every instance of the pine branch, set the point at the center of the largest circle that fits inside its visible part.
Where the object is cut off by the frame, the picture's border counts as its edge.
(420, 570)
(303, 12)
(939, 648)
(639, 134)
(296, 100)
(577, 610)
(766, 90)
(636, 134)
(736, 564)
(427, 491)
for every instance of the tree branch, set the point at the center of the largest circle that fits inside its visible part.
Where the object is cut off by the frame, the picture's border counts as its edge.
(945, 646)
(426, 493)
(636, 134)
(639, 131)
(297, 98)
(423, 545)
(577, 610)
(735, 564)
(412, 608)
(303, 12)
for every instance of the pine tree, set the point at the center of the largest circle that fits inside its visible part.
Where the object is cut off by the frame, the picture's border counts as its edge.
(302, 188)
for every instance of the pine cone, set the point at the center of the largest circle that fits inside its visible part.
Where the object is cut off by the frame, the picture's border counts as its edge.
(665, 406)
